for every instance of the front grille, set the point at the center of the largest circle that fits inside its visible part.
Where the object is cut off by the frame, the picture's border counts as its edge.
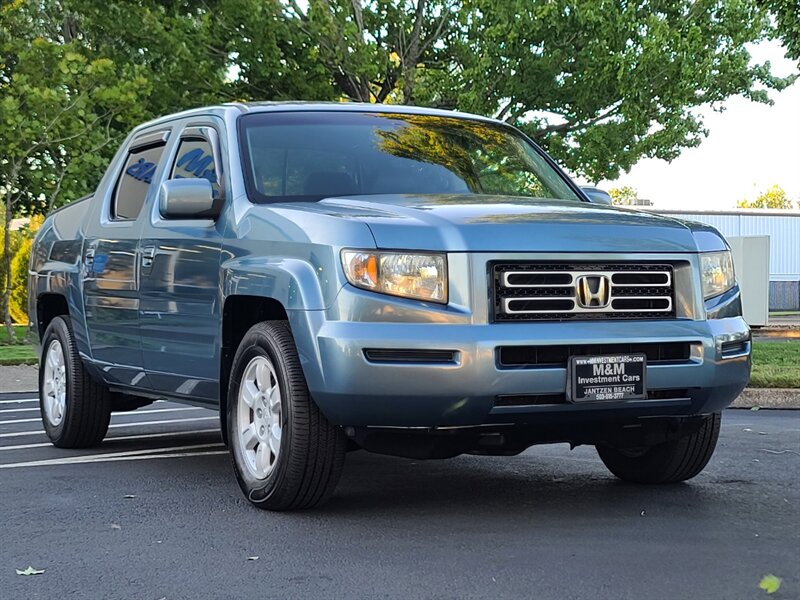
(557, 356)
(561, 291)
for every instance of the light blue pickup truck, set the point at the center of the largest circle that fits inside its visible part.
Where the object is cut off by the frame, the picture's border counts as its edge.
(423, 283)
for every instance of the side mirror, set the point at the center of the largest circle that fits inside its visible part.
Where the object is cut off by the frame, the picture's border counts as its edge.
(187, 199)
(596, 195)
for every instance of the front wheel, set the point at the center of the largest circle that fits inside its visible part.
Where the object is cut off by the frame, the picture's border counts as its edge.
(670, 462)
(286, 455)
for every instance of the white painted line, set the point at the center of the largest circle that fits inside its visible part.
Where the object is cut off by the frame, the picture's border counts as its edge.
(23, 400)
(20, 401)
(115, 414)
(154, 456)
(144, 436)
(132, 413)
(37, 419)
(164, 422)
(100, 457)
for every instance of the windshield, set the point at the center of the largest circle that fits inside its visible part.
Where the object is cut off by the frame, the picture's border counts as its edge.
(298, 156)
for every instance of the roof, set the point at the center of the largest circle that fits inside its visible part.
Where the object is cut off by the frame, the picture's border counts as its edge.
(302, 106)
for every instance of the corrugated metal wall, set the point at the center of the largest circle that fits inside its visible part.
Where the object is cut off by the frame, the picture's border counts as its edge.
(782, 227)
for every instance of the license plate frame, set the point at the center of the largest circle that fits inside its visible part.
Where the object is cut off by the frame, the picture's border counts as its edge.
(607, 378)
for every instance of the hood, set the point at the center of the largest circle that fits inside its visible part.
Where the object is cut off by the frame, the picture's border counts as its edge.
(507, 224)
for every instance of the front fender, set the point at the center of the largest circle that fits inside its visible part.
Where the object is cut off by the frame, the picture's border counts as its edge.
(291, 281)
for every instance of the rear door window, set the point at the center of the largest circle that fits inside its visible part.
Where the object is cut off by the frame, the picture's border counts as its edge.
(134, 182)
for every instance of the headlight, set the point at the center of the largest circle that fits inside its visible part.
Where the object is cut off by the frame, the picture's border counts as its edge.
(716, 271)
(418, 276)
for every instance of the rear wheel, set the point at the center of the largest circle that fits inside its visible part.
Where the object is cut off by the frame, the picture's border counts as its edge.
(285, 453)
(670, 462)
(75, 408)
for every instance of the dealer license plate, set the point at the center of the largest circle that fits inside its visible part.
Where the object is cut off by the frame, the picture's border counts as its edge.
(606, 378)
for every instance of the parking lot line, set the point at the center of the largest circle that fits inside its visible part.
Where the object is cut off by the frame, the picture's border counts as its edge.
(20, 401)
(100, 457)
(129, 413)
(116, 425)
(136, 411)
(120, 438)
(155, 456)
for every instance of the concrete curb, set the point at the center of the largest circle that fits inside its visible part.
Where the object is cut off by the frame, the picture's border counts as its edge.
(768, 398)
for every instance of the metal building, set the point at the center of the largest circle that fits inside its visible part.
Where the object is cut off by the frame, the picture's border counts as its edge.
(783, 229)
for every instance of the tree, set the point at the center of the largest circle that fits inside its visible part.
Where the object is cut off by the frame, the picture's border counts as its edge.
(625, 195)
(787, 24)
(377, 50)
(599, 84)
(604, 84)
(774, 197)
(59, 109)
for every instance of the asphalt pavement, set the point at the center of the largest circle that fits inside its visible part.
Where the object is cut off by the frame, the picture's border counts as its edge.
(155, 513)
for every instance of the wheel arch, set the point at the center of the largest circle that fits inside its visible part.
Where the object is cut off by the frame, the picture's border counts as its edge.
(49, 306)
(239, 313)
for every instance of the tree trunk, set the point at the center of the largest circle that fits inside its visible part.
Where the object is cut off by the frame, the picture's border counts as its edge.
(6, 304)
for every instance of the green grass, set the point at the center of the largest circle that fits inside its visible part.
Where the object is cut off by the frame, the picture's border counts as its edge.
(18, 354)
(19, 351)
(776, 365)
(19, 331)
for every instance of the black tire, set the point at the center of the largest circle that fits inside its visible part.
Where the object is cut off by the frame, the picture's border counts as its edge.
(670, 462)
(311, 450)
(83, 423)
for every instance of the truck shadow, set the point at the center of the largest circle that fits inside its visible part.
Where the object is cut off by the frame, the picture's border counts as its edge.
(534, 483)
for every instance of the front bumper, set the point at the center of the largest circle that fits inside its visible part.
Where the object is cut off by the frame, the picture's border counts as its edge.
(352, 391)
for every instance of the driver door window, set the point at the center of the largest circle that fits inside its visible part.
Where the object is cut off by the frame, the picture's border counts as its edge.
(195, 158)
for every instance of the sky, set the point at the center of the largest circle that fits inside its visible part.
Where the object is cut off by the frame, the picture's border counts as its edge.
(749, 147)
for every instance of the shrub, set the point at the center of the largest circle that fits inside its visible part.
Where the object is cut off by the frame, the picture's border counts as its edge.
(18, 301)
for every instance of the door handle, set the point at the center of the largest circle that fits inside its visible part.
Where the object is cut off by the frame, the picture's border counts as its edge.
(148, 254)
(88, 258)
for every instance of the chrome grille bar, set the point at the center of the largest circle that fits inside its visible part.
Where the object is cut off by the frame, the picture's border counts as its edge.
(552, 291)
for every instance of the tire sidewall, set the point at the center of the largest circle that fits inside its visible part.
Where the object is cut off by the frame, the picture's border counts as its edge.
(258, 490)
(57, 330)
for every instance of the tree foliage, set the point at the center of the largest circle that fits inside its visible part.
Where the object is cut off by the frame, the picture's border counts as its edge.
(774, 197)
(625, 195)
(59, 106)
(18, 300)
(787, 20)
(604, 84)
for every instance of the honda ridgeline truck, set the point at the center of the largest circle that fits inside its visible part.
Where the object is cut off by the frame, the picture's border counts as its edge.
(406, 281)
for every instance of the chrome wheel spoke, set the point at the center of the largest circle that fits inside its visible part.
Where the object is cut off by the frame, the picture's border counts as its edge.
(275, 439)
(250, 437)
(249, 392)
(274, 399)
(262, 376)
(263, 457)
